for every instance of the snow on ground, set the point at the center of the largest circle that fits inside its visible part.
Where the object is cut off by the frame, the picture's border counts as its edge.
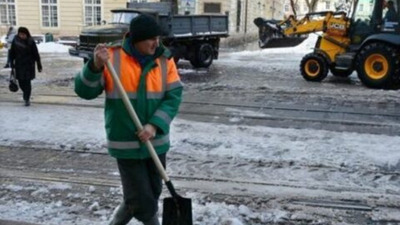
(48, 47)
(204, 213)
(52, 47)
(53, 126)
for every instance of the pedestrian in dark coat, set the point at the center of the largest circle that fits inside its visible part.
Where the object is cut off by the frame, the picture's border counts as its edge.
(23, 55)
(391, 14)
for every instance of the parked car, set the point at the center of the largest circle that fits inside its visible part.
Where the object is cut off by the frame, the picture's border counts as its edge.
(38, 38)
(68, 40)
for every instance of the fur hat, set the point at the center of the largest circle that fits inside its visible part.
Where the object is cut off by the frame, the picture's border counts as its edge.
(144, 27)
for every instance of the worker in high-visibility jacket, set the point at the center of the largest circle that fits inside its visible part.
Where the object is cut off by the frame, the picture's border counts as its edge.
(149, 76)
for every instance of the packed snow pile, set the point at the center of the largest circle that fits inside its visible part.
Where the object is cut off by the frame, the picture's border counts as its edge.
(303, 48)
(50, 47)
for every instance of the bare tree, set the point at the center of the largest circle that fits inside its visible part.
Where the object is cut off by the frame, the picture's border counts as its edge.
(312, 5)
(293, 5)
(343, 5)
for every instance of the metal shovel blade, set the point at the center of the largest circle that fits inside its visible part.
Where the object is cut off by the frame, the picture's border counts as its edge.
(177, 211)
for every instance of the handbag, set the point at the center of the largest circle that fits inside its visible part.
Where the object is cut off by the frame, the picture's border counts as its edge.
(13, 86)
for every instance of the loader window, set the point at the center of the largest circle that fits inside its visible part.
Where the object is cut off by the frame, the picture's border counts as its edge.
(363, 21)
(364, 11)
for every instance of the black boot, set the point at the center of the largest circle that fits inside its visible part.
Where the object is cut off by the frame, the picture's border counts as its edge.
(7, 65)
(27, 103)
(122, 216)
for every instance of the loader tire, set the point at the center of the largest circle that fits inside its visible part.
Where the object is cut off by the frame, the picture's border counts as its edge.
(378, 66)
(314, 67)
(204, 56)
(341, 73)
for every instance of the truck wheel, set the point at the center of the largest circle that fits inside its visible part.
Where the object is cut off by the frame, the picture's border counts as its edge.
(314, 67)
(341, 73)
(378, 66)
(204, 56)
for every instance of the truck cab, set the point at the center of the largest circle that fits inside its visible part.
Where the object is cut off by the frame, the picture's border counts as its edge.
(111, 32)
(191, 37)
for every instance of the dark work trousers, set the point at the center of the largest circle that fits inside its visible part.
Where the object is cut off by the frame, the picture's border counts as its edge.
(8, 56)
(142, 186)
(26, 88)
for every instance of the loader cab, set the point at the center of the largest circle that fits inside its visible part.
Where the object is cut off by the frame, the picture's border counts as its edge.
(372, 17)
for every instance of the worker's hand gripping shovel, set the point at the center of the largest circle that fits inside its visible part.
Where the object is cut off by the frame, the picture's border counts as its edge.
(176, 209)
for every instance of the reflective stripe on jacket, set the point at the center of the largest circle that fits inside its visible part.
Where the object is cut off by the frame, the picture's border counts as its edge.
(155, 93)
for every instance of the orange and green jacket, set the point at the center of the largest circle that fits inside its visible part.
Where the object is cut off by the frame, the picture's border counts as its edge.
(154, 89)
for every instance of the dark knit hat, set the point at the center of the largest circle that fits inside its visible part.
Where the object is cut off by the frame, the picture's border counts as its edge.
(144, 27)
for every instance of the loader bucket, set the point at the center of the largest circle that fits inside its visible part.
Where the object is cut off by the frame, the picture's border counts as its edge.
(281, 42)
(271, 35)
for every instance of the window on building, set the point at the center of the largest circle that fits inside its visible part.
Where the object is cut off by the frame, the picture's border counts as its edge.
(49, 13)
(212, 7)
(327, 5)
(287, 8)
(361, 7)
(92, 12)
(7, 12)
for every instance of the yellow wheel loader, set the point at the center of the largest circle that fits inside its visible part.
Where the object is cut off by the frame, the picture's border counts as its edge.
(367, 42)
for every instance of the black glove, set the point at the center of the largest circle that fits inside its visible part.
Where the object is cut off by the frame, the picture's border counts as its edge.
(39, 67)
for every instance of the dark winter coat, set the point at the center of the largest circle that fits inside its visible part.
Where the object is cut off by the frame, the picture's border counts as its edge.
(23, 55)
(391, 15)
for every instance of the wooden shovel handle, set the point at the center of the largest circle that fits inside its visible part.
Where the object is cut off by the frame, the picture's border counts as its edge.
(136, 121)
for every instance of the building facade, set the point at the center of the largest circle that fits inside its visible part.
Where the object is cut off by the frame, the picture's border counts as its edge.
(242, 14)
(322, 5)
(59, 17)
(69, 17)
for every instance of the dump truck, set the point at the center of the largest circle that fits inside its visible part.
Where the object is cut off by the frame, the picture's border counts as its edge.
(191, 37)
(368, 42)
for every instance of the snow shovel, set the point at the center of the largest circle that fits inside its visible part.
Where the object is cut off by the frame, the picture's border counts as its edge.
(177, 210)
